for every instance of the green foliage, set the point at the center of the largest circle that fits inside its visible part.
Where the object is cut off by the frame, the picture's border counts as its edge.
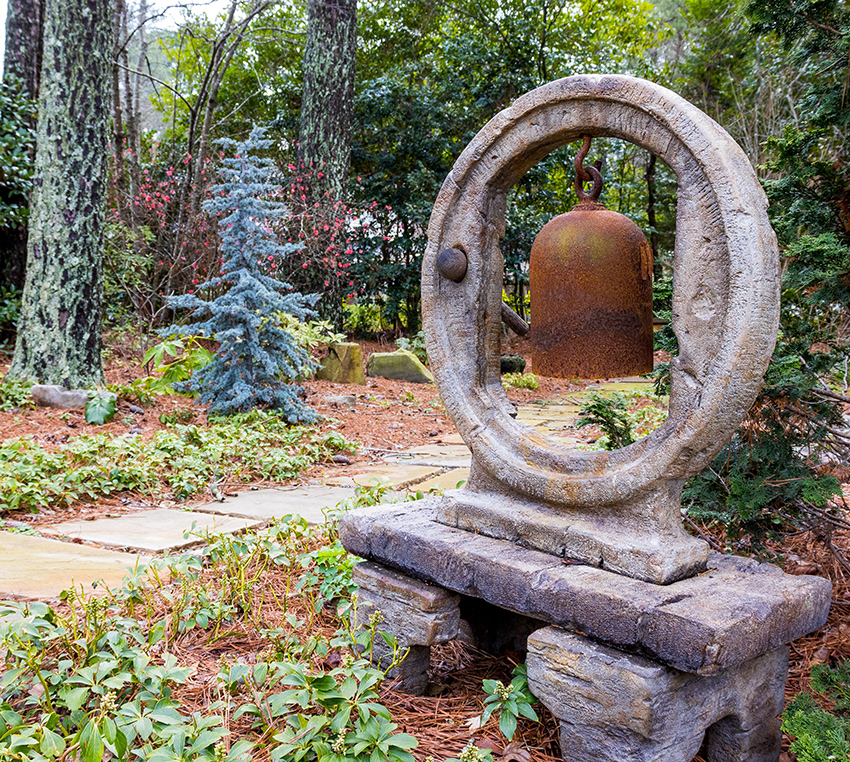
(819, 735)
(15, 394)
(138, 390)
(97, 678)
(471, 753)
(188, 355)
(520, 380)
(414, 344)
(511, 702)
(17, 138)
(10, 310)
(182, 461)
(257, 356)
(765, 477)
(100, 408)
(611, 415)
(310, 334)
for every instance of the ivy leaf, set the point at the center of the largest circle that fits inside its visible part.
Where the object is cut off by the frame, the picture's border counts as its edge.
(100, 409)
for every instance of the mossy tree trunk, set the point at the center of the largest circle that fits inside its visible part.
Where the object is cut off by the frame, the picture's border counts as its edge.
(59, 331)
(327, 107)
(22, 58)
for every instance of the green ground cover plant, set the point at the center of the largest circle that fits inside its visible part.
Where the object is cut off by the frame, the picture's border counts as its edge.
(821, 735)
(181, 461)
(98, 676)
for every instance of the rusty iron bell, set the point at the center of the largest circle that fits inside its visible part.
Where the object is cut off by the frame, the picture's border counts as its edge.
(591, 290)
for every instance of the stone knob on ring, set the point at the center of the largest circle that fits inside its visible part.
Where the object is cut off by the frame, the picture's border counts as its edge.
(452, 264)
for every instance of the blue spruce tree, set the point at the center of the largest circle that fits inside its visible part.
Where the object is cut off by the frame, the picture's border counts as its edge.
(256, 355)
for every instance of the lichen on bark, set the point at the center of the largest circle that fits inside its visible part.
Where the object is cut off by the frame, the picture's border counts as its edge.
(59, 330)
(328, 95)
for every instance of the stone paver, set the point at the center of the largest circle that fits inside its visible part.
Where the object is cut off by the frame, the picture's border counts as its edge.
(157, 530)
(267, 504)
(36, 567)
(446, 481)
(446, 456)
(394, 476)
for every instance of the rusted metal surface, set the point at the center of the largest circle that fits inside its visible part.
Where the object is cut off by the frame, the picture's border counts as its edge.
(514, 321)
(452, 264)
(591, 292)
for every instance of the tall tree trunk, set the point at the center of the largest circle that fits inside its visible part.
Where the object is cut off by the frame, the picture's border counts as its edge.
(650, 205)
(59, 332)
(328, 95)
(22, 58)
(327, 106)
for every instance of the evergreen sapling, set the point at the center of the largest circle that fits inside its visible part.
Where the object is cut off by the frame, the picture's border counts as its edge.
(256, 355)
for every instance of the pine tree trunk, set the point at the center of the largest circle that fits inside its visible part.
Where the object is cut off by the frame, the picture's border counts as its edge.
(59, 332)
(22, 58)
(327, 107)
(328, 94)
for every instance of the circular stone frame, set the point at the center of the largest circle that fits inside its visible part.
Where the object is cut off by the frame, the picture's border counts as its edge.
(725, 291)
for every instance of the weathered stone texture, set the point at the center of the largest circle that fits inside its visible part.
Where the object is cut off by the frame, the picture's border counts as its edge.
(705, 624)
(50, 395)
(725, 314)
(616, 707)
(343, 364)
(417, 614)
(400, 365)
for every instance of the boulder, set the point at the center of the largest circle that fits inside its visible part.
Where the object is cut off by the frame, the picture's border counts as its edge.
(400, 365)
(512, 364)
(343, 365)
(340, 399)
(50, 395)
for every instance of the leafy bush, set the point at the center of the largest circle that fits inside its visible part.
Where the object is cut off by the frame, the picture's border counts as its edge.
(611, 415)
(256, 355)
(520, 380)
(15, 394)
(821, 736)
(414, 344)
(510, 701)
(183, 460)
(10, 310)
(767, 476)
(17, 138)
(187, 356)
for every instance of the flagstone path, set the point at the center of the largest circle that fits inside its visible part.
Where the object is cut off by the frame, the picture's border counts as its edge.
(40, 567)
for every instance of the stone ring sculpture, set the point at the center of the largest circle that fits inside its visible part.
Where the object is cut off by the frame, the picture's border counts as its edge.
(725, 297)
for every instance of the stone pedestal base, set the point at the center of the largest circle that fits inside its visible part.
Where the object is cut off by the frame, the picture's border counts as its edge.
(416, 614)
(615, 707)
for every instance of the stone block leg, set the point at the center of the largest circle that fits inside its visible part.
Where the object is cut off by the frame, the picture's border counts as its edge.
(417, 614)
(617, 707)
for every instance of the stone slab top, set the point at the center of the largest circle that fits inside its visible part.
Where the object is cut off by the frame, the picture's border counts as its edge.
(35, 567)
(735, 611)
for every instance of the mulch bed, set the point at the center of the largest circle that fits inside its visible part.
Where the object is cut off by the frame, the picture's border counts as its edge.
(394, 415)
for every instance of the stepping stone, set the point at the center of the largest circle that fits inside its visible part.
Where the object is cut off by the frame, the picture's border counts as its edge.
(394, 476)
(453, 438)
(35, 567)
(267, 504)
(157, 530)
(446, 481)
(447, 456)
